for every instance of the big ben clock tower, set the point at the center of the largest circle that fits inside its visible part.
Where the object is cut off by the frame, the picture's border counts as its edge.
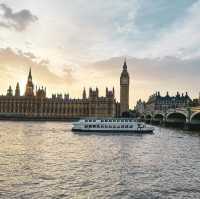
(124, 90)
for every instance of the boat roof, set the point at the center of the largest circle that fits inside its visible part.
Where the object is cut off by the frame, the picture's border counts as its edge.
(107, 118)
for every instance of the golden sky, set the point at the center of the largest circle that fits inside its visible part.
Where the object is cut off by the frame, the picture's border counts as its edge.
(70, 46)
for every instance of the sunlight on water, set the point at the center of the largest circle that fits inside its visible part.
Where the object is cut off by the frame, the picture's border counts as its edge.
(47, 160)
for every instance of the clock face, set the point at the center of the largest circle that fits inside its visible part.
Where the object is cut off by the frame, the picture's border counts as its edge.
(124, 81)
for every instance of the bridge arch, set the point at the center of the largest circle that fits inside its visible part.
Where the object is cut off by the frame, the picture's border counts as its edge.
(159, 116)
(176, 117)
(142, 116)
(148, 116)
(177, 112)
(195, 118)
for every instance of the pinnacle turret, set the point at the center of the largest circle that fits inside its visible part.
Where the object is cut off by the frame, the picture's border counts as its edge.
(17, 90)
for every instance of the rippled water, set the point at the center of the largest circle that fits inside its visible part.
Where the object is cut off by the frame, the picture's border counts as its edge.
(47, 160)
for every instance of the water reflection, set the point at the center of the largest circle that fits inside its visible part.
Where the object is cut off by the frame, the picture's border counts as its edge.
(47, 160)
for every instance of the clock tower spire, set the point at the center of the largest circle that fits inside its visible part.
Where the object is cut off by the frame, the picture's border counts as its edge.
(124, 90)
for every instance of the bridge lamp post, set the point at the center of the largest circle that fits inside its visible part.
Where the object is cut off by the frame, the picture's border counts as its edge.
(165, 113)
(189, 113)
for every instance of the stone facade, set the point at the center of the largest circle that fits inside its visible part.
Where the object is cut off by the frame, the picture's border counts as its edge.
(34, 104)
(156, 102)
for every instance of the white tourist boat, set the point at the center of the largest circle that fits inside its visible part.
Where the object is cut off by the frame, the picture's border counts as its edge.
(111, 125)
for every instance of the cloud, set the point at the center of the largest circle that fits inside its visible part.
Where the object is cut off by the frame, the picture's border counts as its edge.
(152, 69)
(16, 20)
(152, 74)
(180, 38)
(14, 66)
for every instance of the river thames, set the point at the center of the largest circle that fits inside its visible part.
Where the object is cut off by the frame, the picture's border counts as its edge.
(47, 160)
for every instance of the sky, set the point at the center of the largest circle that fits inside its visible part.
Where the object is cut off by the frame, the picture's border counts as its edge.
(72, 45)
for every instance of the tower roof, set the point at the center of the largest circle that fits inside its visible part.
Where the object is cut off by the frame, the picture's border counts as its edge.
(124, 71)
(125, 65)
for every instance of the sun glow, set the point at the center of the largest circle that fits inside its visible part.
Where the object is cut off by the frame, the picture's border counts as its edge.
(22, 84)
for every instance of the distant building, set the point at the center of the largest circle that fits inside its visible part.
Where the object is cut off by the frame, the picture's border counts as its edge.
(196, 101)
(34, 104)
(140, 106)
(162, 103)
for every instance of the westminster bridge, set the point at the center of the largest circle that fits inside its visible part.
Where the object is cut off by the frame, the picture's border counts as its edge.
(186, 117)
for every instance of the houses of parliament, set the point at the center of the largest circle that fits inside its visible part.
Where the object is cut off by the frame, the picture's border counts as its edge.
(34, 104)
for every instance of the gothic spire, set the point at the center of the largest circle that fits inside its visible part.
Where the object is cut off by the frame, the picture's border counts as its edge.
(84, 93)
(125, 65)
(17, 90)
(30, 75)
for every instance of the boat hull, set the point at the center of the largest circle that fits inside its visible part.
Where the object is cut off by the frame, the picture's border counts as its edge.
(147, 131)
